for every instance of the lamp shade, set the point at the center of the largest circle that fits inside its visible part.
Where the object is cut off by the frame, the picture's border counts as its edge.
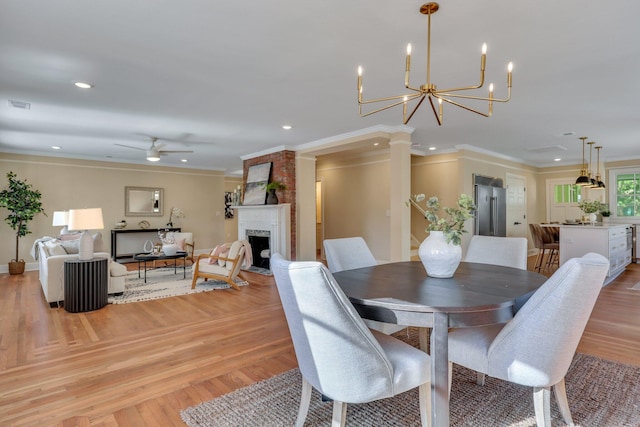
(60, 218)
(85, 219)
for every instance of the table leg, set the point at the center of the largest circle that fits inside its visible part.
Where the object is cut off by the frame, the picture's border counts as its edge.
(184, 267)
(138, 269)
(440, 370)
(145, 271)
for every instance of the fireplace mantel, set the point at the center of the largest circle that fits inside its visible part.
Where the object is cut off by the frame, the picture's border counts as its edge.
(273, 218)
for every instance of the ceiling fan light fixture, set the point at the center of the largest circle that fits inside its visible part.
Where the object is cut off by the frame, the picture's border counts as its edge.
(153, 156)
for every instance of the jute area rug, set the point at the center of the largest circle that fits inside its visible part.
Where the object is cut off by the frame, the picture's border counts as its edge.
(163, 283)
(601, 393)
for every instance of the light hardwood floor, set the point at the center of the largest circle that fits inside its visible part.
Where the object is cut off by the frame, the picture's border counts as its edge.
(140, 364)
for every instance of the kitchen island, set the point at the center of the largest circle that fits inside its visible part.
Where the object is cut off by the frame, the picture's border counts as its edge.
(610, 240)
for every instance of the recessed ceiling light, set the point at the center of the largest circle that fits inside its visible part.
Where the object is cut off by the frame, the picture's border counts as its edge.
(55, 147)
(287, 127)
(557, 160)
(375, 144)
(183, 160)
(432, 148)
(83, 85)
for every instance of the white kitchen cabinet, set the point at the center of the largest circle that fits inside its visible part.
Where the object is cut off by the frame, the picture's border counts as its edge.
(608, 240)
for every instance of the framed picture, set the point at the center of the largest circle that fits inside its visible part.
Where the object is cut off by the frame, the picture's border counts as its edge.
(255, 192)
(228, 202)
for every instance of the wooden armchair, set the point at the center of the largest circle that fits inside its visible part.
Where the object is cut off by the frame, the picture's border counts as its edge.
(223, 266)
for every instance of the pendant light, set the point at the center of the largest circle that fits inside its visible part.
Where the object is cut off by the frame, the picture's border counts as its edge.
(583, 179)
(592, 182)
(598, 177)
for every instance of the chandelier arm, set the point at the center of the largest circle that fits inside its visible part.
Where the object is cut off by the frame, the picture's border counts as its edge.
(409, 98)
(391, 98)
(414, 110)
(479, 98)
(462, 106)
(435, 113)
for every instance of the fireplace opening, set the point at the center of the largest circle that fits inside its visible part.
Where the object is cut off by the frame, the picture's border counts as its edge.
(260, 250)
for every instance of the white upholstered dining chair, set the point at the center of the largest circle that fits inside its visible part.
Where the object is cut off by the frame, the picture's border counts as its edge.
(337, 353)
(349, 253)
(504, 251)
(536, 347)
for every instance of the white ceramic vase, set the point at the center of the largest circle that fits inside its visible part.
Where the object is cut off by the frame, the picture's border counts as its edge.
(170, 249)
(440, 259)
(592, 218)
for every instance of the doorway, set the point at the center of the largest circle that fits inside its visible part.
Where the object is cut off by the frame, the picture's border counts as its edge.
(319, 221)
(516, 206)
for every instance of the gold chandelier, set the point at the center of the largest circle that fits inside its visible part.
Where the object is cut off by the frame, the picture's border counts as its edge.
(429, 90)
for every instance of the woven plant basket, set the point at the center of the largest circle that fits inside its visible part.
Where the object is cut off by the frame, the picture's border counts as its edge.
(16, 267)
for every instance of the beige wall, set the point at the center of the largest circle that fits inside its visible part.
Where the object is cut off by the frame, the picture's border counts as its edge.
(68, 183)
(356, 199)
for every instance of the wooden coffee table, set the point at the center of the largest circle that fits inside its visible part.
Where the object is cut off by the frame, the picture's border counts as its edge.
(145, 258)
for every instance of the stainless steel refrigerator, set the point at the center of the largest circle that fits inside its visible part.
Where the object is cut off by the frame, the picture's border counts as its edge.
(491, 211)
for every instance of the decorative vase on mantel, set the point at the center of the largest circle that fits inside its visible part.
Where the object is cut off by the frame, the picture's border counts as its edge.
(272, 198)
(440, 259)
(593, 218)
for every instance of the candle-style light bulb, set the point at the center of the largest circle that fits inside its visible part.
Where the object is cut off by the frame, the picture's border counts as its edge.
(490, 99)
(359, 84)
(509, 70)
(407, 67)
(483, 59)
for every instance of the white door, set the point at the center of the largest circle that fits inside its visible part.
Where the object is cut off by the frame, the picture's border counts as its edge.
(516, 206)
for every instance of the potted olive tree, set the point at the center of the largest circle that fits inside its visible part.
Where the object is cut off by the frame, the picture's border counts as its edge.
(23, 203)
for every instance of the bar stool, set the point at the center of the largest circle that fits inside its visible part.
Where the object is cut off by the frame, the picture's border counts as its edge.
(544, 240)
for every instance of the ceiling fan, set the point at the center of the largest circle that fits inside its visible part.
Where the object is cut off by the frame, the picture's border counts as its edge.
(154, 152)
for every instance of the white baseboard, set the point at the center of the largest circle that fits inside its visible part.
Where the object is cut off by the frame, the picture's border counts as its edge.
(30, 266)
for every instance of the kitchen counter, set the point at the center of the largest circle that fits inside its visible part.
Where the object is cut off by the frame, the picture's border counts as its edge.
(609, 240)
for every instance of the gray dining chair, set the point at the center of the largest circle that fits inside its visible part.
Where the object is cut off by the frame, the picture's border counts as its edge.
(337, 353)
(536, 347)
(349, 253)
(504, 251)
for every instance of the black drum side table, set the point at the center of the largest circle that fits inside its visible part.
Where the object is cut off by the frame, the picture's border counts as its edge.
(85, 284)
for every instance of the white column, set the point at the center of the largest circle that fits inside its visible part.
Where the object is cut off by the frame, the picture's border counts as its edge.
(306, 207)
(400, 214)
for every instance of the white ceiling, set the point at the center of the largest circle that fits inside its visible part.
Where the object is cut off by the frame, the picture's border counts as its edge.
(221, 77)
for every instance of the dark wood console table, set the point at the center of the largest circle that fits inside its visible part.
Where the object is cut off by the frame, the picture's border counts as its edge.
(125, 243)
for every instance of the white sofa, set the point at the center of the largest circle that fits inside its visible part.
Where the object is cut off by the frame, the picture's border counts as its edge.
(51, 256)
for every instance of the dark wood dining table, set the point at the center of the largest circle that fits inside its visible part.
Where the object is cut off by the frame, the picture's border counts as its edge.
(402, 293)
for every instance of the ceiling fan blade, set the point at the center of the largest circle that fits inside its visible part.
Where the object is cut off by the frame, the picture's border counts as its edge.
(175, 151)
(129, 146)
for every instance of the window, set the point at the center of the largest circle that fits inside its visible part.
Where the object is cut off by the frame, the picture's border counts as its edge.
(566, 193)
(627, 194)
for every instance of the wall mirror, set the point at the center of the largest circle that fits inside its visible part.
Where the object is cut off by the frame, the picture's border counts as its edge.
(142, 201)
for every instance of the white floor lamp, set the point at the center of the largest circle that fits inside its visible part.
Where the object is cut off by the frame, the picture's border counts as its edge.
(85, 220)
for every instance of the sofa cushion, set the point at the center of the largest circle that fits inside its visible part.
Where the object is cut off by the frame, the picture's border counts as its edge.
(67, 237)
(54, 247)
(71, 246)
(97, 242)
